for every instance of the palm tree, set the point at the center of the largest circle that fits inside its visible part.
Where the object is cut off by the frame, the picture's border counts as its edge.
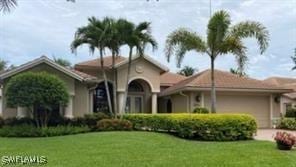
(135, 37)
(7, 5)
(238, 72)
(62, 62)
(222, 38)
(94, 35)
(187, 71)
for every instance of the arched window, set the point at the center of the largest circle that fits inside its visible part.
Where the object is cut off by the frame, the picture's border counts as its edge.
(135, 86)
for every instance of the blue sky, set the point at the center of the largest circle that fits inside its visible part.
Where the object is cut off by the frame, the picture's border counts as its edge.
(47, 27)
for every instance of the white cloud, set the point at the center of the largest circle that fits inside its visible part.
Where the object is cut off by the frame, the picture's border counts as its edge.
(47, 27)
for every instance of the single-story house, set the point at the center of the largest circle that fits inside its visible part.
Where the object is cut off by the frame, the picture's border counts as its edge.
(153, 89)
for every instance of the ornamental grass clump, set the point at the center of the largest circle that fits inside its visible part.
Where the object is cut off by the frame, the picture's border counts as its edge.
(284, 140)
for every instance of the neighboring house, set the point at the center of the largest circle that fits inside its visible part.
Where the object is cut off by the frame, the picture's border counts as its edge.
(288, 99)
(153, 89)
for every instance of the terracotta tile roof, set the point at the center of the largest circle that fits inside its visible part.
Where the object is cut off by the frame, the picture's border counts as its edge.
(95, 63)
(170, 79)
(289, 83)
(224, 80)
(84, 75)
(280, 80)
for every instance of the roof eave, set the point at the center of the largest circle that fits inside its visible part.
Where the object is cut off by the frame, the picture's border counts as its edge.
(193, 88)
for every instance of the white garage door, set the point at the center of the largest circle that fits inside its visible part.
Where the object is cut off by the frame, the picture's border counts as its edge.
(258, 106)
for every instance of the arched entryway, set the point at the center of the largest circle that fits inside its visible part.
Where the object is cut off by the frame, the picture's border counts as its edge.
(139, 97)
(100, 102)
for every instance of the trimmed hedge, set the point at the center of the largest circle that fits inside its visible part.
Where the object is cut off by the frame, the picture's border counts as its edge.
(26, 130)
(201, 110)
(291, 113)
(209, 127)
(114, 124)
(287, 123)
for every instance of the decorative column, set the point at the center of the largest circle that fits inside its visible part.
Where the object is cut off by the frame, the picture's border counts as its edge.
(154, 103)
(202, 98)
(21, 112)
(69, 108)
(120, 101)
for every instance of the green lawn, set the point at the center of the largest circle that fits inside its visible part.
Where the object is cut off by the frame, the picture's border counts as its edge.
(140, 149)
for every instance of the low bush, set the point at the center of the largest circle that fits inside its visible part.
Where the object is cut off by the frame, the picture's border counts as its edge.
(26, 130)
(1, 122)
(287, 123)
(201, 110)
(210, 127)
(18, 121)
(92, 119)
(291, 113)
(113, 124)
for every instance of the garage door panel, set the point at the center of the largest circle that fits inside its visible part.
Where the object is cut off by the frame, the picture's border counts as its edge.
(257, 106)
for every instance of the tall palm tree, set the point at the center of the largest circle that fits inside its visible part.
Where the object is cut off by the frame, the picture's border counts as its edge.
(187, 71)
(94, 35)
(222, 38)
(7, 5)
(136, 37)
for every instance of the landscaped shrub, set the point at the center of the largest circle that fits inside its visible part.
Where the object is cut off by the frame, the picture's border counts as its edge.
(18, 121)
(113, 124)
(291, 113)
(92, 119)
(211, 127)
(26, 130)
(284, 140)
(201, 110)
(1, 122)
(287, 123)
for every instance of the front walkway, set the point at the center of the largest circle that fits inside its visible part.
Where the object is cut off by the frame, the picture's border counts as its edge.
(268, 134)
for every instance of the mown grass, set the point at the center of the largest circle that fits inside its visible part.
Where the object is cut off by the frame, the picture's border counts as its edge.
(140, 149)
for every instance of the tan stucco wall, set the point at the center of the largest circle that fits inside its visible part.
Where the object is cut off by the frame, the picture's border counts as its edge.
(74, 87)
(81, 100)
(148, 72)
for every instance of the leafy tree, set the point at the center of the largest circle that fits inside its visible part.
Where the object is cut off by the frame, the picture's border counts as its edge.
(187, 71)
(38, 92)
(135, 37)
(3, 65)
(222, 38)
(95, 36)
(238, 72)
(62, 62)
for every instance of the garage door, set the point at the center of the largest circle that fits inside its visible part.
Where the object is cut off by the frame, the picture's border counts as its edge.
(258, 106)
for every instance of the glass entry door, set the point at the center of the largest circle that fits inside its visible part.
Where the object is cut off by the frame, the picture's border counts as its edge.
(134, 104)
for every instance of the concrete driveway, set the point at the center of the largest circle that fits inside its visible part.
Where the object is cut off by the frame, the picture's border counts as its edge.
(268, 134)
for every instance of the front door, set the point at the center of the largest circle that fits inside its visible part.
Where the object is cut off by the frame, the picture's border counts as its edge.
(134, 104)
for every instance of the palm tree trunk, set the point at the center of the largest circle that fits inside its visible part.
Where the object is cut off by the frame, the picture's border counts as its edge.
(114, 85)
(127, 80)
(213, 88)
(106, 83)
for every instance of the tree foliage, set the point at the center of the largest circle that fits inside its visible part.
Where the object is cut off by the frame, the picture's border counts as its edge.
(294, 59)
(237, 72)
(187, 71)
(3, 65)
(62, 62)
(38, 92)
